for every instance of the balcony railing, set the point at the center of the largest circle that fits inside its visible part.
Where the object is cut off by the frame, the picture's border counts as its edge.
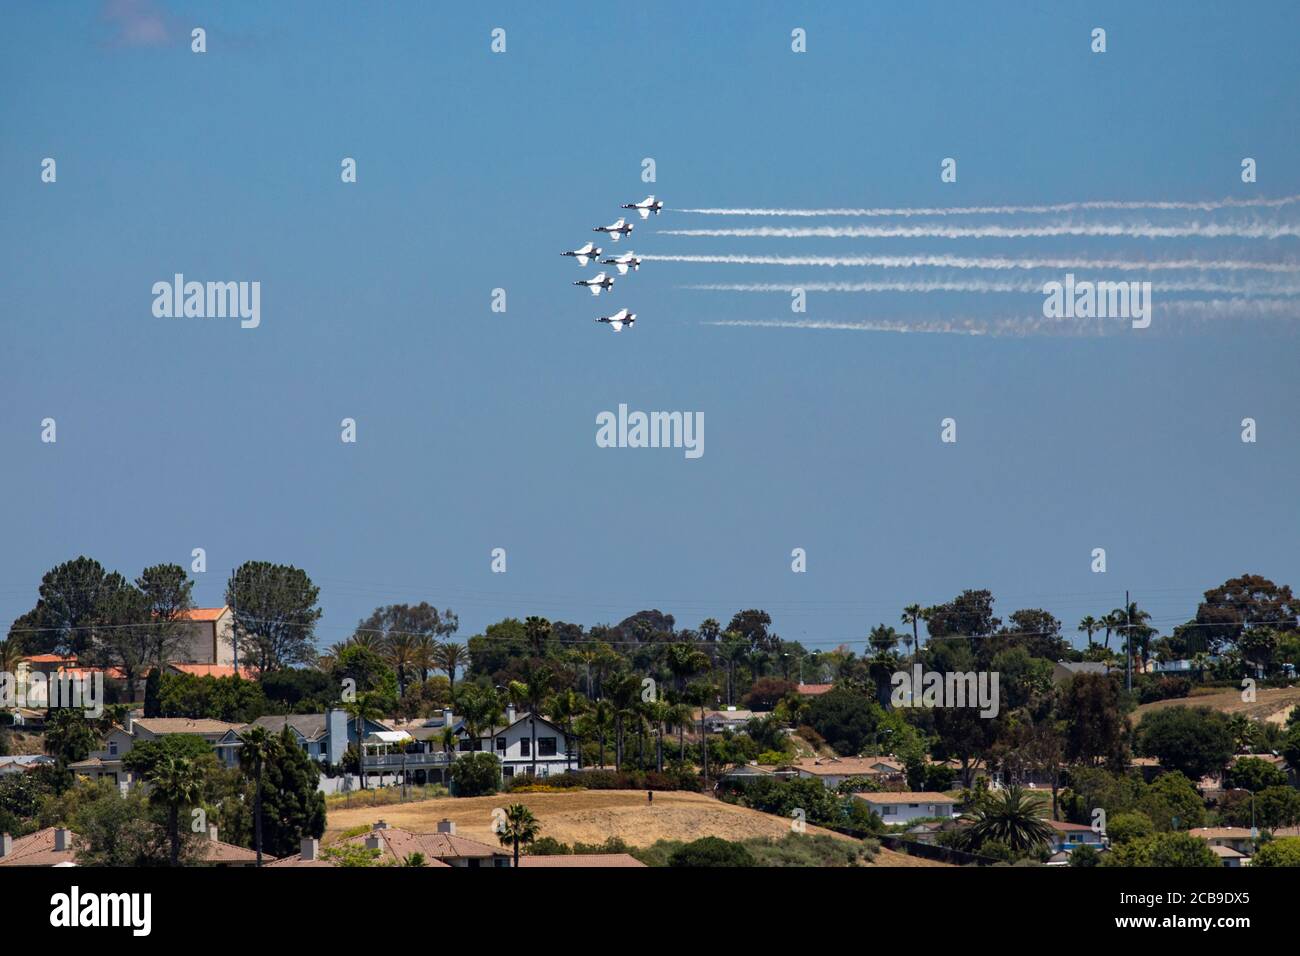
(409, 761)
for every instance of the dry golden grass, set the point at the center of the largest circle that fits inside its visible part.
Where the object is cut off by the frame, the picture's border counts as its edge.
(1272, 704)
(592, 816)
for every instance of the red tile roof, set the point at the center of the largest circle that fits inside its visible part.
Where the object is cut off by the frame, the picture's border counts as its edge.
(203, 613)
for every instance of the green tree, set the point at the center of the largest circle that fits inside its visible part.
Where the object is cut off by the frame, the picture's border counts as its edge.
(1254, 774)
(292, 805)
(1163, 850)
(1281, 852)
(257, 748)
(1010, 816)
(1127, 827)
(275, 614)
(711, 851)
(1194, 741)
(516, 827)
(476, 775)
(176, 782)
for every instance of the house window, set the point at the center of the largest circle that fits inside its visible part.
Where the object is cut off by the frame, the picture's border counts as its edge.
(465, 746)
(526, 747)
(507, 772)
(889, 810)
(112, 748)
(501, 745)
(546, 746)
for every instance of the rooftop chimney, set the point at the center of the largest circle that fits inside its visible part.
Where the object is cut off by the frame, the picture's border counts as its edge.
(310, 848)
(447, 826)
(61, 840)
(447, 717)
(6, 844)
(510, 713)
(212, 832)
(372, 843)
(380, 825)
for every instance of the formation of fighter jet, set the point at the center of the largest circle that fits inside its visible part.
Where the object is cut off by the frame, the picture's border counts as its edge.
(621, 227)
(589, 252)
(584, 253)
(596, 283)
(627, 260)
(619, 319)
(645, 207)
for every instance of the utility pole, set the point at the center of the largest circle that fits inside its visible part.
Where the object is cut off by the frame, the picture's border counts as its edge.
(1128, 645)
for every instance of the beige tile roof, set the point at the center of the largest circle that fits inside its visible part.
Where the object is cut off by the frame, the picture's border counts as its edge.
(847, 766)
(184, 725)
(37, 849)
(906, 796)
(579, 860)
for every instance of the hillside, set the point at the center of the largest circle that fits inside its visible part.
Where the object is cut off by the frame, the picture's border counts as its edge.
(1271, 704)
(592, 816)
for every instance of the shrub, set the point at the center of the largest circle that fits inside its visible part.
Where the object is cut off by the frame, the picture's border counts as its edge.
(1283, 852)
(710, 852)
(476, 775)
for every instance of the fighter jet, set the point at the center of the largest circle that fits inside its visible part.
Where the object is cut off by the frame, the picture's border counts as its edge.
(615, 229)
(584, 254)
(645, 207)
(596, 283)
(619, 319)
(624, 262)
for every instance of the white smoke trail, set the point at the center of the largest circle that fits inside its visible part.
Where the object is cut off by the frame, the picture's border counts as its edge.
(1124, 230)
(978, 285)
(1023, 326)
(1206, 206)
(987, 262)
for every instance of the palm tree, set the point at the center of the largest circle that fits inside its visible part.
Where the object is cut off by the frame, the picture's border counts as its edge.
(1091, 625)
(624, 694)
(681, 716)
(400, 650)
(448, 741)
(600, 715)
(913, 614)
(518, 826)
(11, 654)
(565, 707)
(176, 782)
(538, 632)
(259, 746)
(425, 657)
(530, 692)
(660, 713)
(1008, 816)
(365, 706)
(1113, 621)
(1200, 660)
(1131, 621)
(414, 859)
(448, 657)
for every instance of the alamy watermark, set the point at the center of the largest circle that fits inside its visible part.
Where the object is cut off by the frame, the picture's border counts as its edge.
(1098, 300)
(54, 691)
(208, 300)
(651, 430)
(922, 688)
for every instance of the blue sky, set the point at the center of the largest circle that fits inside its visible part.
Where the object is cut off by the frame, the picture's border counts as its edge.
(476, 429)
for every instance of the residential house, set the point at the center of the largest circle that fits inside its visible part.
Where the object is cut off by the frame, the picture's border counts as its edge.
(57, 846)
(732, 718)
(813, 690)
(440, 849)
(833, 771)
(906, 806)
(119, 741)
(512, 743)
(22, 763)
(207, 636)
(1069, 836)
(1066, 670)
